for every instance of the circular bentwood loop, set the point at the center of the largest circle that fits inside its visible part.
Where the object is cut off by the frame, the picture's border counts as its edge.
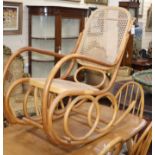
(115, 108)
(68, 111)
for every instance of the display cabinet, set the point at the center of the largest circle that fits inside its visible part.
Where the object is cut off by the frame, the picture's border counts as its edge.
(52, 28)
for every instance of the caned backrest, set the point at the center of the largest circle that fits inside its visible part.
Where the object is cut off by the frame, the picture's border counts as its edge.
(105, 34)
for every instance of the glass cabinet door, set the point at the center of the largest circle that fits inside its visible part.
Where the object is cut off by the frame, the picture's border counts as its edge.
(69, 34)
(42, 37)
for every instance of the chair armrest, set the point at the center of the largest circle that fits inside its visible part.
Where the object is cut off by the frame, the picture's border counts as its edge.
(28, 49)
(31, 49)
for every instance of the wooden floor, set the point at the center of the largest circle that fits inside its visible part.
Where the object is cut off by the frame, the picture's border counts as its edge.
(20, 140)
(26, 140)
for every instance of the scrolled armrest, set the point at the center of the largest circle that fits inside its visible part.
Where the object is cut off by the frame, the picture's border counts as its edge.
(28, 49)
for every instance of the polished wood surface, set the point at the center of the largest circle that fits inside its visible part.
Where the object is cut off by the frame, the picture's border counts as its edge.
(29, 140)
(142, 64)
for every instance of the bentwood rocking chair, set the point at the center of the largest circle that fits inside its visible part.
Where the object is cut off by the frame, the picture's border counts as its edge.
(70, 110)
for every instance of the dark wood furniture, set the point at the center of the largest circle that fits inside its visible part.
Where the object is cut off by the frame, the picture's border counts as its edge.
(133, 7)
(141, 64)
(127, 59)
(53, 28)
(30, 141)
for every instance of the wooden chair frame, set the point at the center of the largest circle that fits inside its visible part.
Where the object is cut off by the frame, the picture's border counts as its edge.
(141, 146)
(113, 146)
(51, 101)
(133, 101)
(132, 94)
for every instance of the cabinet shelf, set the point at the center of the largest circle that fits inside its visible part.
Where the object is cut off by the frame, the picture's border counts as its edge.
(72, 37)
(42, 38)
(52, 38)
(37, 60)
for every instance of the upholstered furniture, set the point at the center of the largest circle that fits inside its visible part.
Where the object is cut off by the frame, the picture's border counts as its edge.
(15, 72)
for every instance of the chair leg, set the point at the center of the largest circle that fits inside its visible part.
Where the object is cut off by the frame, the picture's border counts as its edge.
(129, 146)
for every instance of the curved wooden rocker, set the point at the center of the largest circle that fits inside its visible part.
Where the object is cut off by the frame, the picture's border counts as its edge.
(70, 111)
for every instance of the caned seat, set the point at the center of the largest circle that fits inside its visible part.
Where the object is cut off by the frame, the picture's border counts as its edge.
(59, 86)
